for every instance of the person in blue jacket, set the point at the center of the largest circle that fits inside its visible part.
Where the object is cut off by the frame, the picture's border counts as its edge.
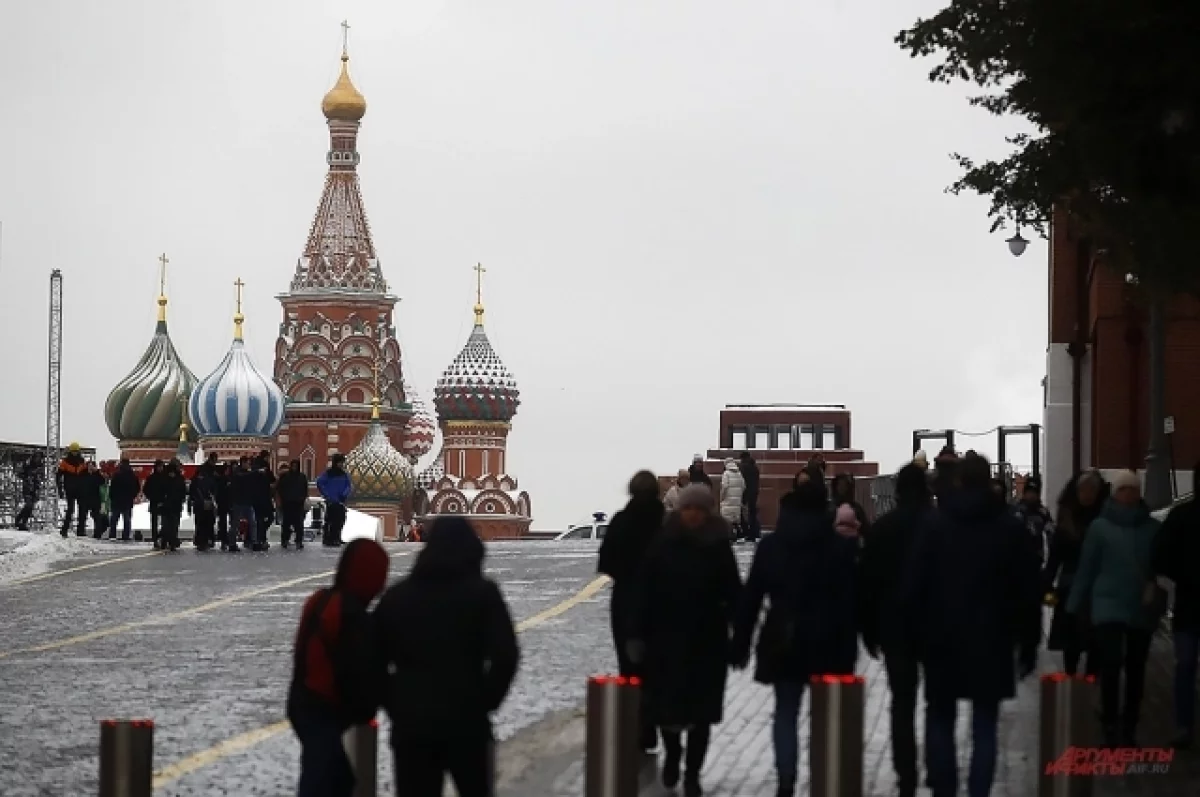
(334, 487)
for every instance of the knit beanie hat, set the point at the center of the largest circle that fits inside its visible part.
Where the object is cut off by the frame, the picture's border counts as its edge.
(846, 519)
(1125, 478)
(696, 496)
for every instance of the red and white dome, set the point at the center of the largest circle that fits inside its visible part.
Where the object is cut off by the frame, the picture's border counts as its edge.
(421, 427)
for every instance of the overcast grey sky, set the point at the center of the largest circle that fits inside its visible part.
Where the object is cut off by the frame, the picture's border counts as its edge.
(680, 204)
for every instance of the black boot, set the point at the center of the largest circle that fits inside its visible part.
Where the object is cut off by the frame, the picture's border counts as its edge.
(137, 536)
(697, 749)
(673, 759)
(786, 788)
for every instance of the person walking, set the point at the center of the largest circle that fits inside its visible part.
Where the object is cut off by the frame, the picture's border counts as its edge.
(687, 594)
(123, 489)
(154, 490)
(671, 499)
(263, 486)
(751, 476)
(971, 600)
(221, 473)
(844, 494)
(334, 486)
(337, 678)
(202, 502)
(91, 498)
(885, 557)
(33, 473)
(696, 474)
(807, 573)
(1116, 580)
(241, 505)
(1177, 557)
(448, 644)
(71, 478)
(292, 489)
(1079, 504)
(1036, 517)
(631, 533)
(174, 498)
(733, 488)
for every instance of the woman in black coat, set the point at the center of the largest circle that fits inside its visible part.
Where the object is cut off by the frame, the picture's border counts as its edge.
(687, 594)
(1078, 505)
(808, 572)
(631, 533)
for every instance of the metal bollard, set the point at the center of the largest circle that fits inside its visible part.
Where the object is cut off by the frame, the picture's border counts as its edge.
(614, 756)
(362, 748)
(835, 756)
(1067, 722)
(126, 758)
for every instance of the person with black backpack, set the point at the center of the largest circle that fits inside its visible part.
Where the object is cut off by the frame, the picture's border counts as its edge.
(807, 572)
(337, 680)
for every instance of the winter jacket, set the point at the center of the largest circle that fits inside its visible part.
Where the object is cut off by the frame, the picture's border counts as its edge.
(154, 488)
(336, 670)
(123, 488)
(696, 474)
(241, 486)
(631, 533)
(1115, 566)
(749, 470)
(174, 492)
(262, 487)
(1039, 524)
(808, 574)
(292, 487)
(32, 475)
(733, 487)
(671, 499)
(1177, 557)
(885, 559)
(448, 640)
(685, 601)
(70, 475)
(202, 492)
(971, 598)
(89, 490)
(334, 485)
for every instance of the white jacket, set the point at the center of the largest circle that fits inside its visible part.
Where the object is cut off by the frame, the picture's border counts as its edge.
(732, 488)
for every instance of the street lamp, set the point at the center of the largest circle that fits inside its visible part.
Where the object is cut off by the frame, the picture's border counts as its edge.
(1017, 244)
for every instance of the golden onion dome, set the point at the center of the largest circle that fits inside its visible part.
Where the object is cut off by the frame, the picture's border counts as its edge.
(344, 103)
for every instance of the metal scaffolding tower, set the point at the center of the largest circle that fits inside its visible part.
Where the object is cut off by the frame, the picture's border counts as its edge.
(49, 508)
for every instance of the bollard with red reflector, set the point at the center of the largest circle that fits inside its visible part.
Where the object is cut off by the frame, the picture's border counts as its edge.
(1067, 720)
(835, 756)
(126, 758)
(613, 752)
(362, 748)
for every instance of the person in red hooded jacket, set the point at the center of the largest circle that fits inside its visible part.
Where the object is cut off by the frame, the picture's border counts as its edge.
(336, 680)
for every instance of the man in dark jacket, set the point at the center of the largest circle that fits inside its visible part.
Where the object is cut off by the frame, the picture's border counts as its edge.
(123, 489)
(241, 504)
(71, 478)
(696, 474)
(970, 600)
(154, 489)
(337, 680)
(202, 503)
(32, 473)
(91, 498)
(1036, 517)
(1177, 556)
(750, 475)
(630, 534)
(885, 559)
(264, 499)
(449, 643)
(174, 498)
(845, 492)
(334, 486)
(808, 573)
(293, 498)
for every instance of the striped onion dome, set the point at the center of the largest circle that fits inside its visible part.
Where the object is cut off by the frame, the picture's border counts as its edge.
(435, 471)
(421, 427)
(378, 472)
(476, 386)
(148, 404)
(237, 399)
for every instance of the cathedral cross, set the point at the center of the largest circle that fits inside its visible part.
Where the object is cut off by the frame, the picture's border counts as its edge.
(238, 285)
(479, 272)
(162, 274)
(345, 39)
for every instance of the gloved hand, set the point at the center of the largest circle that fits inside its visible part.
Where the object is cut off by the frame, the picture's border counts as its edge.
(872, 650)
(739, 659)
(1050, 599)
(1027, 662)
(635, 649)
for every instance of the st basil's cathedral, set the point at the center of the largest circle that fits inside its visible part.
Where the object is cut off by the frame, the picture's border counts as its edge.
(338, 383)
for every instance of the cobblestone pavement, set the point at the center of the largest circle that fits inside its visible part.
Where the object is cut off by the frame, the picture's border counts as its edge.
(144, 638)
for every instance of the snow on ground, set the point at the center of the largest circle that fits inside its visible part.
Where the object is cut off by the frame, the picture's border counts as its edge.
(31, 553)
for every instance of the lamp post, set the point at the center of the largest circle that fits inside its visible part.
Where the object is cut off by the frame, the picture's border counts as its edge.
(1157, 490)
(1017, 244)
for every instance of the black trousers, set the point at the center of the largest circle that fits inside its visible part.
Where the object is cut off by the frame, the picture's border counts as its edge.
(74, 505)
(223, 525)
(750, 501)
(170, 528)
(26, 513)
(335, 520)
(647, 732)
(697, 749)
(205, 521)
(904, 676)
(421, 767)
(263, 515)
(155, 519)
(1121, 648)
(291, 521)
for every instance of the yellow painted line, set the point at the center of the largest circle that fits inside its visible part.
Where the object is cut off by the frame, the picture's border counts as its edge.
(245, 741)
(65, 571)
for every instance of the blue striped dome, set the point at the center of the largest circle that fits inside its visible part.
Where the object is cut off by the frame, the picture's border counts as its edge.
(237, 399)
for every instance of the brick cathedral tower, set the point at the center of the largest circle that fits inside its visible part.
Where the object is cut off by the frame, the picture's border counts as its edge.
(338, 313)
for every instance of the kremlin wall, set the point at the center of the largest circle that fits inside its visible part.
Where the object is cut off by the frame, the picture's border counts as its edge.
(338, 381)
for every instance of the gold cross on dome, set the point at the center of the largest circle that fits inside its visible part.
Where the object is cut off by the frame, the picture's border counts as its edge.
(238, 285)
(162, 274)
(345, 39)
(479, 272)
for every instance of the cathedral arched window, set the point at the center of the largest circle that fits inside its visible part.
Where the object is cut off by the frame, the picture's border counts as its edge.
(355, 396)
(316, 395)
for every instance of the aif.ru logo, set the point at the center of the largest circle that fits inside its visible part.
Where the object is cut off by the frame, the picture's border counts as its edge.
(1101, 761)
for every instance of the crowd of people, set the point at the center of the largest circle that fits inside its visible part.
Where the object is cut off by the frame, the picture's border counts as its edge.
(947, 588)
(232, 504)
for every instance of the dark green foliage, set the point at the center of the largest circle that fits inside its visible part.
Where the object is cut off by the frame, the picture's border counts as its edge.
(1112, 89)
